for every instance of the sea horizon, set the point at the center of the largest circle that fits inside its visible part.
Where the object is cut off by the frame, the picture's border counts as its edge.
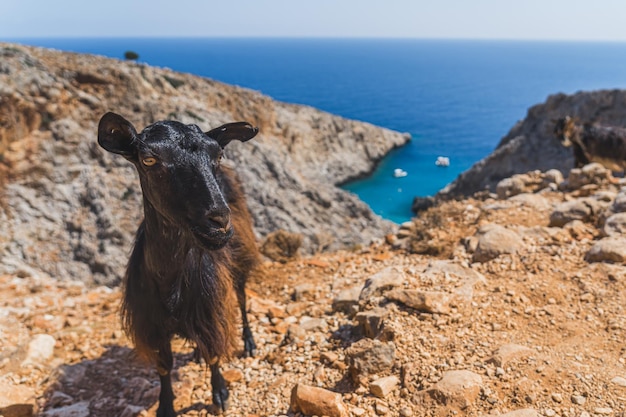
(456, 97)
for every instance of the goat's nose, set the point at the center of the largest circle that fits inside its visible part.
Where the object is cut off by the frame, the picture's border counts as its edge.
(221, 220)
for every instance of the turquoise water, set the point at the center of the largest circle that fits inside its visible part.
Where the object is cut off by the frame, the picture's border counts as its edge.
(456, 98)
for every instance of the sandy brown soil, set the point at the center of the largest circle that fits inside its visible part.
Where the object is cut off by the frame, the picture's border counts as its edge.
(564, 316)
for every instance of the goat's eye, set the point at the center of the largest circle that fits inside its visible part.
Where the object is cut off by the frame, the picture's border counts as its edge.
(149, 161)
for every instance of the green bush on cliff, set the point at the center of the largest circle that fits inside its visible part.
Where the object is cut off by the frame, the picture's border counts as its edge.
(131, 55)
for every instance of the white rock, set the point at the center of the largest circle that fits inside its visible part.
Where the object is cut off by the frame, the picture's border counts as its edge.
(40, 350)
(80, 409)
(618, 380)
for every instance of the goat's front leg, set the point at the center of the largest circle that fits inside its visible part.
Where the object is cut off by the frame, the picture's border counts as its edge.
(218, 387)
(249, 347)
(164, 367)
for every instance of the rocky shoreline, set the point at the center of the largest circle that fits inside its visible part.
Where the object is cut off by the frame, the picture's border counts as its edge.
(531, 143)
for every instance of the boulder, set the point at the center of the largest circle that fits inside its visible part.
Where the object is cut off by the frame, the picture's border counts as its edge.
(610, 249)
(495, 240)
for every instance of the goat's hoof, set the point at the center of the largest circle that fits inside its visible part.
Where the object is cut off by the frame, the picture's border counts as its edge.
(220, 399)
(249, 348)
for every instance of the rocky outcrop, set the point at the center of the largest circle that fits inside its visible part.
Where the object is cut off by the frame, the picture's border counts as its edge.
(531, 144)
(69, 210)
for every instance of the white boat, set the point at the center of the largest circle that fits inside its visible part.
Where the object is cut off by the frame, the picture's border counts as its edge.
(399, 173)
(442, 161)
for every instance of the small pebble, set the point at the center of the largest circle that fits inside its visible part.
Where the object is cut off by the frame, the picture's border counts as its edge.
(406, 412)
(381, 410)
(578, 399)
(556, 397)
(358, 412)
(618, 380)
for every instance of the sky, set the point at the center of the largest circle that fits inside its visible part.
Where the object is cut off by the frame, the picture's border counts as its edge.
(593, 20)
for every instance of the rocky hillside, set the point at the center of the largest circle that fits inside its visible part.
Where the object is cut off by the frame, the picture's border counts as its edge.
(511, 305)
(531, 143)
(69, 210)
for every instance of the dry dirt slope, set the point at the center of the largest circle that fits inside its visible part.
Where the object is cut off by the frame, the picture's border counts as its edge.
(497, 313)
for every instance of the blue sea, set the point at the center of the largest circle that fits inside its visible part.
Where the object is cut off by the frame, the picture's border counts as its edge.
(456, 98)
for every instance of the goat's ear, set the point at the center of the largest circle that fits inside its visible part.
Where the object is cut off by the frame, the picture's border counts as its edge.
(224, 134)
(117, 135)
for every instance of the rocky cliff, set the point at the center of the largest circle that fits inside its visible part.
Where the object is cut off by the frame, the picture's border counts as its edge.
(69, 209)
(531, 144)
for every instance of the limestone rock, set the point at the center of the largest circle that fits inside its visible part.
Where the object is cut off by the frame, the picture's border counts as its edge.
(456, 388)
(371, 321)
(436, 302)
(593, 173)
(314, 401)
(508, 353)
(367, 357)
(40, 350)
(347, 300)
(619, 203)
(580, 209)
(552, 176)
(535, 201)
(380, 282)
(495, 240)
(610, 249)
(383, 386)
(615, 225)
(619, 381)
(509, 187)
(80, 409)
(132, 411)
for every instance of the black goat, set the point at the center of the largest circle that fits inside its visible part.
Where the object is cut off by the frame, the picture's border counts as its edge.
(593, 143)
(193, 250)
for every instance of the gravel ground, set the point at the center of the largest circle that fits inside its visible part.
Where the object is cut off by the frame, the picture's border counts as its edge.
(539, 330)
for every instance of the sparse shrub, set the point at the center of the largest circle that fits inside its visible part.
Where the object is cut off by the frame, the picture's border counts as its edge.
(131, 55)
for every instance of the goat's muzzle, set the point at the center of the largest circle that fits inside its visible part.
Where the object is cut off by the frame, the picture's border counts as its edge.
(214, 232)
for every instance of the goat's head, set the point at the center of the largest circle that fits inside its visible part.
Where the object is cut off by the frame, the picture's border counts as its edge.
(178, 168)
(564, 130)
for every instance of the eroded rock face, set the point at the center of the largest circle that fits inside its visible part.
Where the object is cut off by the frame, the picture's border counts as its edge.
(531, 144)
(70, 210)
